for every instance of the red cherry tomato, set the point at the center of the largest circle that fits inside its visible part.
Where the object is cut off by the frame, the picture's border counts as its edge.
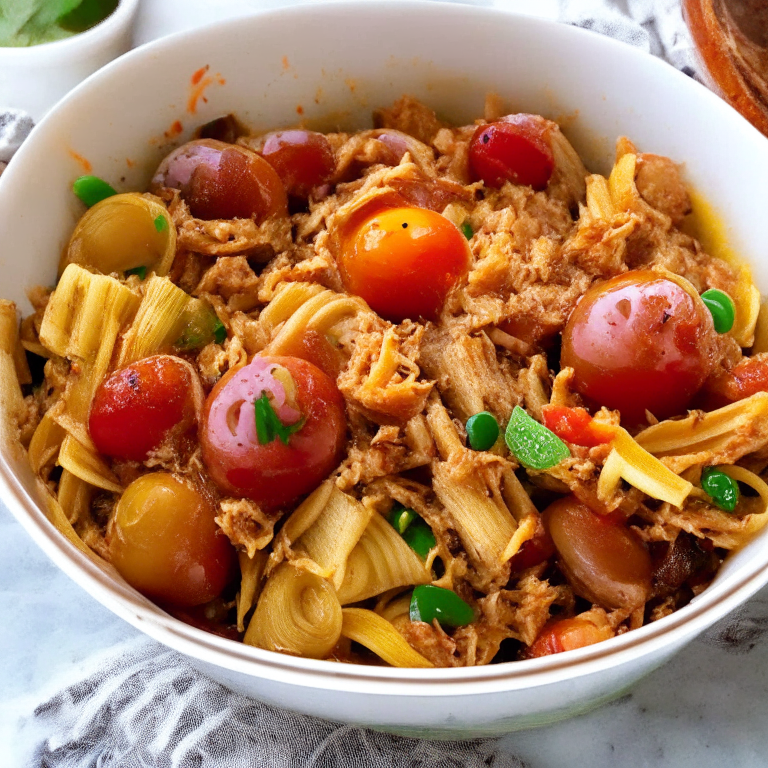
(164, 541)
(603, 560)
(135, 407)
(536, 550)
(223, 181)
(273, 474)
(639, 341)
(302, 159)
(566, 635)
(404, 262)
(515, 148)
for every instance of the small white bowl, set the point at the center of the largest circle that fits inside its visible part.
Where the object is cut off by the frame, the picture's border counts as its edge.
(35, 77)
(335, 63)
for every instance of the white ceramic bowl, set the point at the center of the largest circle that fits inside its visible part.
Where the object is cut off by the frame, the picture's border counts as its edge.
(339, 61)
(34, 78)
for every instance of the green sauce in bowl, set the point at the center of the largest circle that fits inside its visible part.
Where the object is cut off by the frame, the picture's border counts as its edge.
(32, 22)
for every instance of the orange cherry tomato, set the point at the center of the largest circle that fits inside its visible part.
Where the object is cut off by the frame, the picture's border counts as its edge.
(639, 342)
(575, 425)
(135, 407)
(603, 560)
(164, 541)
(566, 635)
(223, 181)
(404, 262)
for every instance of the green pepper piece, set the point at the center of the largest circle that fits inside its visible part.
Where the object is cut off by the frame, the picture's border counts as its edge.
(482, 431)
(721, 306)
(722, 488)
(532, 444)
(92, 190)
(429, 602)
(419, 538)
(466, 230)
(400, 518)
(140, 272)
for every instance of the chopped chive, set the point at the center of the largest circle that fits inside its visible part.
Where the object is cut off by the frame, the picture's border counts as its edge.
(721, 488)
(140, 272)
(532, 444)
(268, 424)
(419, 537)
(161, 223)
(467, 231)
(219, 332)
(721, 306)
(400, 518)
(429, 602)
(92, 190)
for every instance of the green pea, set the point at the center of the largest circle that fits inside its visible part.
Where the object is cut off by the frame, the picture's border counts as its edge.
(482, 431)
(532, 444)
(400, 518)
(722, 488)
(419, 537)
(92, 190)
(429, 602)
(467, 231)
(721, 306)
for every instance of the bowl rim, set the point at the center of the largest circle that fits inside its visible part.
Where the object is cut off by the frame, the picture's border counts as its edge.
(112, 24)
(652, 639)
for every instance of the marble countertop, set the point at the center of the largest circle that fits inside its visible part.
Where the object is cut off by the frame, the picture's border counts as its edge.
(706, 708)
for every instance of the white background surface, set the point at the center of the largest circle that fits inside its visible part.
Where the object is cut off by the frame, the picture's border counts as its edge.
(708, 707)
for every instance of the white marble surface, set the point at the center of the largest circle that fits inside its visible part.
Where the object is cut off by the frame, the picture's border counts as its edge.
(707, 708)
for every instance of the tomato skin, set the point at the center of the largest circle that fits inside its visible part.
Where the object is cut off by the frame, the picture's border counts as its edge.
(603, 560)
(404, 262)
(164, 541)
(135, 407)
(303, 159)
(566, 635)
(576, 426)
(748, 377)
(536, 550)
(639, 341)
(223, 181)
(274, 474)
(515, 148)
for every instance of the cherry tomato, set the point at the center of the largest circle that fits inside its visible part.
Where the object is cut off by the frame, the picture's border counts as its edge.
(404, 262)
(566, 635)
(536, 550)
(135, 407)
(748, 377)
(515, 148)
(223, 181)
(639, 341)
(273, 473)
(164, 541)
(302, 159)
(603, 560)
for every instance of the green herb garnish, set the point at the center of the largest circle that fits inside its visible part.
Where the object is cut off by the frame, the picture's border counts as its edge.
(466, 230)
(219, 332)
(161, 223)
(268, 424)
(140, 272)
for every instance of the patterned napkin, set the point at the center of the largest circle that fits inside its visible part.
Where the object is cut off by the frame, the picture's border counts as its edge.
(141, 704)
